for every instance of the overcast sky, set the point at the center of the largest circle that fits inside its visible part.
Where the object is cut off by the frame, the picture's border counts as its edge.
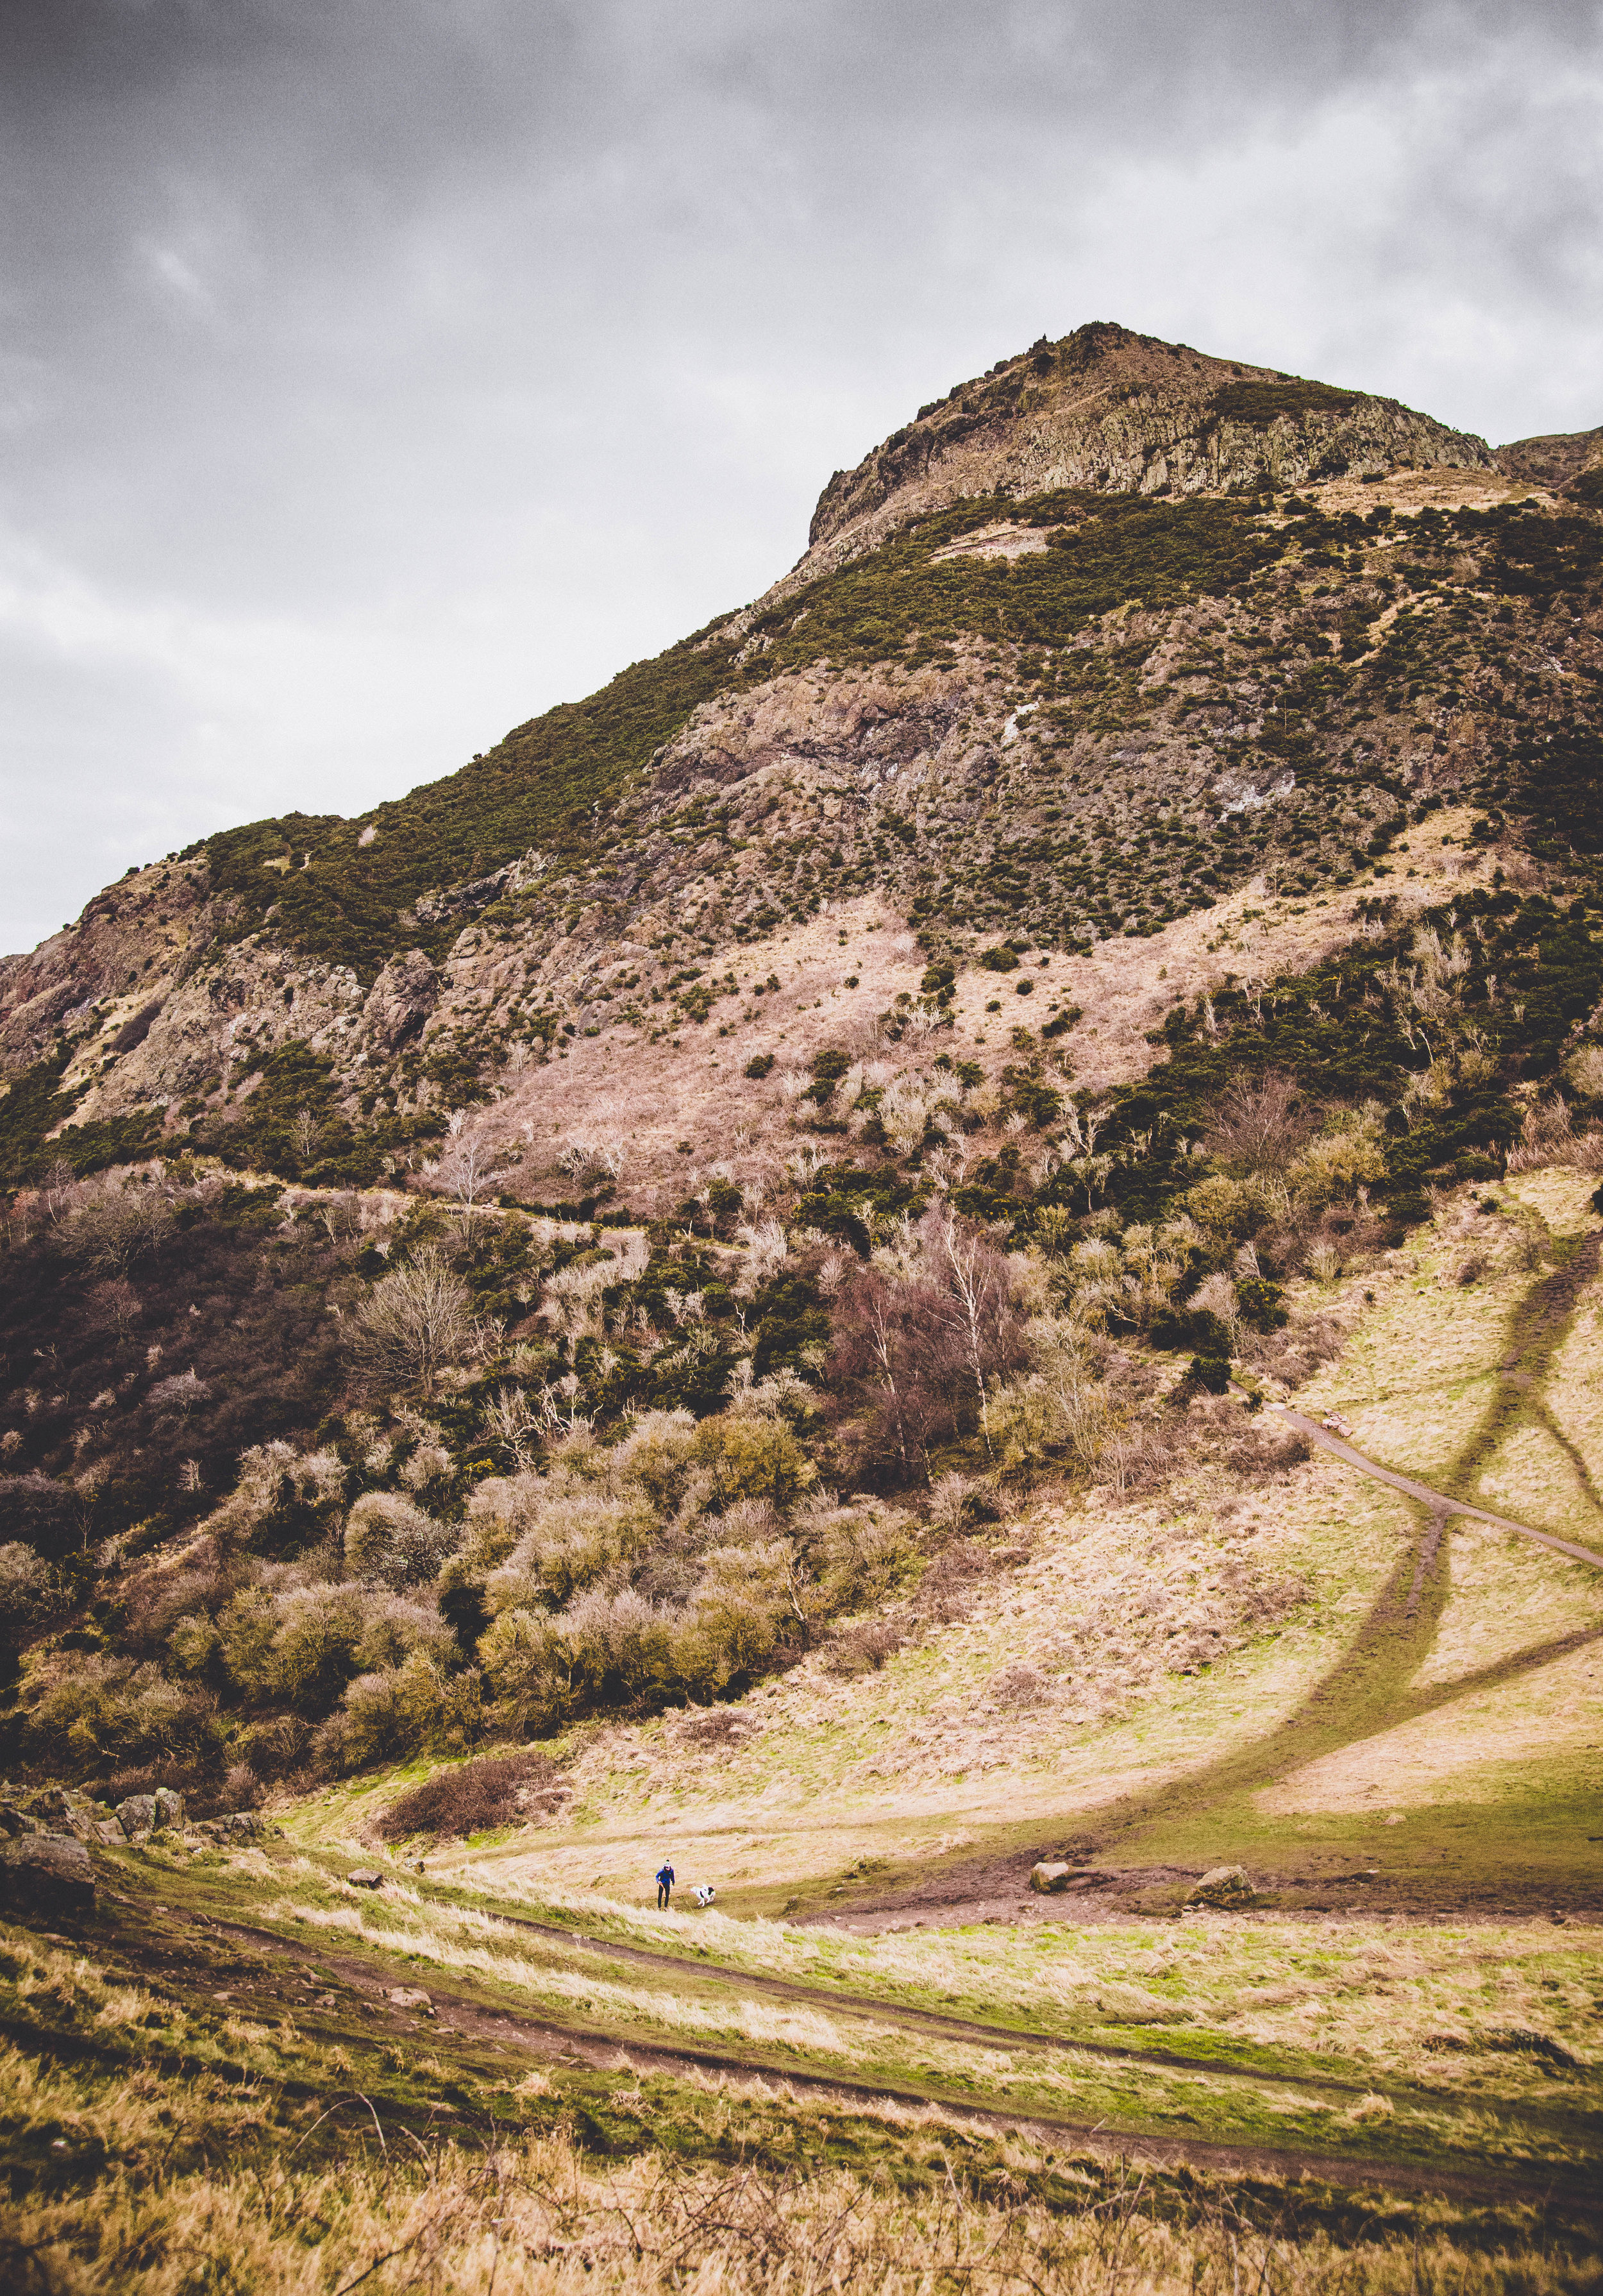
(375, 373)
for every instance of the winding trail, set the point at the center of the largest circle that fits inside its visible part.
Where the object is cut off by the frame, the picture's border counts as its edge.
(1439, 1503)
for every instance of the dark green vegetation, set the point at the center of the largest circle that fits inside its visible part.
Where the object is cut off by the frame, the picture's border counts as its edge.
(542, 787)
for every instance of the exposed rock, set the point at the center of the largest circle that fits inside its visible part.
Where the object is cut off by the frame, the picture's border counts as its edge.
(137, 1817)
(401, 998)
(1050, 1876)
(15, 1822)
(365, 1878)
(1113, 411)
(411, 1996)
(1222, 1885)
(169, 1807)
(1553, 460)
(46, 1873)
(236, 1825)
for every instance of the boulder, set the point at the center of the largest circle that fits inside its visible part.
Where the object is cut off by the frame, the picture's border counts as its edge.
(45, 1874)
(412, 1996)
(169, 1807)
(1222, 1885)
(137, 1817)
(14, 1822)
(1050, 1876)
(365, 1878)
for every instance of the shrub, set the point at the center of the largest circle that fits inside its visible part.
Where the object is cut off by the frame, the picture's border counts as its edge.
(1261, 1303)
(1211, 1373)
(999, 960)
(24, 1591)
(760, 1065)
(388, 1538)
(751, 1459)
(471, 1797)
(391, 1712)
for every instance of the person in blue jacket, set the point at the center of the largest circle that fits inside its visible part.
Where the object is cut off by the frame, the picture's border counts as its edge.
(665, 1883)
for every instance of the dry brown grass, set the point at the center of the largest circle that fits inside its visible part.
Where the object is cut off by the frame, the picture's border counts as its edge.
(539, 2217)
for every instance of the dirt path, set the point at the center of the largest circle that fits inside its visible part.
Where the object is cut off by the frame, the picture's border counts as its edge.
(1439, 1503)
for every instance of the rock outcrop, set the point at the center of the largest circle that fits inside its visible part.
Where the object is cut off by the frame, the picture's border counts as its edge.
(1123, 413)
(44, 1876)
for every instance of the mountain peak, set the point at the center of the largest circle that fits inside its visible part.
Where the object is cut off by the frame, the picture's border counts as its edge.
(1121, 412)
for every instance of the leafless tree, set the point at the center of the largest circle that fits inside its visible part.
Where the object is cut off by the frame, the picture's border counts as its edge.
(979, 1303)
(467, 1175)
(1259, 1125)
(304, 1131)
(515, 1426)
(113, 1226)
(415, 1320)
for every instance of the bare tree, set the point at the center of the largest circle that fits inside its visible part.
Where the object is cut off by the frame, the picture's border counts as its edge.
(113, 1226)
(515, 1426)
(979, 1303)
(467, 1175)
(304, 1131)
(415, 1320)
(894, 1367)
(1258, 1126)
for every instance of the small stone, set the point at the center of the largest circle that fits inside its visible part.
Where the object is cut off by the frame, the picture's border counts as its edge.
(111, 1833)
(46, 1873)
(411, 1996)
(1050, 1875)
(365, 1878)
(1224, 1885)
(137, 1817)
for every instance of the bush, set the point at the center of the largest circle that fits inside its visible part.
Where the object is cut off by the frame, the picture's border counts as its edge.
(1262, 1302)
(999, 960)
(1211, 1373)
(388, 1538)
(752, 1459)
(760, 1065)
(471, 1797)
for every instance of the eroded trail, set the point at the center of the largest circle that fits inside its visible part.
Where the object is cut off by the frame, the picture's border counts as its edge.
(1441, 1505)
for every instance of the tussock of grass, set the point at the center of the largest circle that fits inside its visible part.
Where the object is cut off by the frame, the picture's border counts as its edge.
(543, 2216)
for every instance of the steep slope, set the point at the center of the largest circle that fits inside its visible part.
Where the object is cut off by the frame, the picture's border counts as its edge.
(914, 1028)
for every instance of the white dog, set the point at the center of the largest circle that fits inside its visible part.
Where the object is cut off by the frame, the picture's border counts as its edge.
(705, 1893)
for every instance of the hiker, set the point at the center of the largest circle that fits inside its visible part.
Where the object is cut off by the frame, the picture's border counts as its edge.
(665, 1885)
(705, 1894)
